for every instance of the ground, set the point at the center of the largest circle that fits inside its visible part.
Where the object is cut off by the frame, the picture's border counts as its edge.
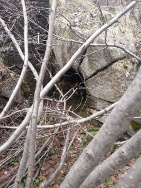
(50, 158)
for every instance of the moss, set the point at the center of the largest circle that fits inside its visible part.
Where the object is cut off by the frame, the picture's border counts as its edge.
(84, 26)
(77, 103)
(93, 128)
(27, 91)
(135, 125)
(66, 34)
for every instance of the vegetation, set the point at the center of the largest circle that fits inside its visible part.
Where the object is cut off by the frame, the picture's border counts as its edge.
(49, 139)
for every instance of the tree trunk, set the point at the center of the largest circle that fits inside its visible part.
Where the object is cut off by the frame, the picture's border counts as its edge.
(116, 124)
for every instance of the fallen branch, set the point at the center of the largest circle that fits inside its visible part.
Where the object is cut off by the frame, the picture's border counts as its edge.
(69, 121)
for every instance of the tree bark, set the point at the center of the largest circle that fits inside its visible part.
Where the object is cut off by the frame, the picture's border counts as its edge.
(34, 118)
(118, 159)
(116, 124)
(47, 88)
(133, 177)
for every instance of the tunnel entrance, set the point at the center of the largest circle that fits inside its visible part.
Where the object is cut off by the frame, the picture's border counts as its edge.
(72, 84)
(73, 79)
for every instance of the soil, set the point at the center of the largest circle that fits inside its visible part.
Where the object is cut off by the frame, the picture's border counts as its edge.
(51, 160)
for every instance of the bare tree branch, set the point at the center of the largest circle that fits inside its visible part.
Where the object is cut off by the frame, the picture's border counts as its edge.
(26, 62)
(115, 125)
(34, 118)
(101, 45)
(22, 167)
(83, 48)
(132, 178)
(108, 134)
(86, 172)
(23, 125)
(63, 157)
(72, 120)
(17, 132)
(117, 160)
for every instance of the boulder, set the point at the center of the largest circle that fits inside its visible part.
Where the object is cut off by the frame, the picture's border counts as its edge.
(109, 85)
(8, 81)
(38, 12)
(107, 71)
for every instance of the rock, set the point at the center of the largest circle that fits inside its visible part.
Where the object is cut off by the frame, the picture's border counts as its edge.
(71, 26)
(38, 12)
(107, 71)
(8, 81)
(110, 84)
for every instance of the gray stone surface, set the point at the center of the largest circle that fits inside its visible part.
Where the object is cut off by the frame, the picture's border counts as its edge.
(8, 81)
(107, 71)
(109, 85)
